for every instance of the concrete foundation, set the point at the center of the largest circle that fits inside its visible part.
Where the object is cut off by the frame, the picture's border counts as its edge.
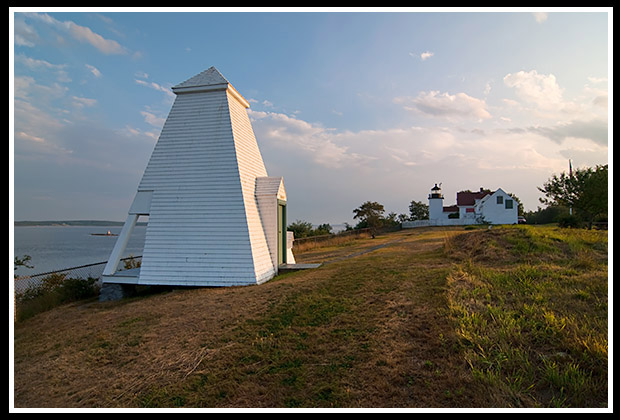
(115, 291)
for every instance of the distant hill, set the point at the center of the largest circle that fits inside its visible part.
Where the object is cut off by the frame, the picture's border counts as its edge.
(68, 223)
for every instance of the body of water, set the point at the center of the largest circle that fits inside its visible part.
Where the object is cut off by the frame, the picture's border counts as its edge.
(58, 247)
(54, 248)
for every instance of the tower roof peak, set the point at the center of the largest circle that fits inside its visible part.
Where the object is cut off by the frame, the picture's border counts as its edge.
(209, 77)
(209, 80)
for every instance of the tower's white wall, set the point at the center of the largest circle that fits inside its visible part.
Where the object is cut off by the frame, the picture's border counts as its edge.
(251, 166)
(268, 191)
(435, 208)
(197, 232)
(208, 223)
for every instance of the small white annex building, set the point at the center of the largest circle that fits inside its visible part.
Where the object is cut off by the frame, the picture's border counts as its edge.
(483, 206)
(215, 217)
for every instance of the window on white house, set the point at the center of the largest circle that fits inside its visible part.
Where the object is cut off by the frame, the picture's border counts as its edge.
(500, 199)
(508, 204)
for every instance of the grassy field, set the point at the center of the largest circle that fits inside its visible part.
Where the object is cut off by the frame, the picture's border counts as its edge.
(428, 317)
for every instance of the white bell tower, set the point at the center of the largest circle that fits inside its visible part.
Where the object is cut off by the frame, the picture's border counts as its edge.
(215, 217)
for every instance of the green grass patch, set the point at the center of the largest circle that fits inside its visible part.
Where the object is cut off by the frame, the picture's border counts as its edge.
(534, 326)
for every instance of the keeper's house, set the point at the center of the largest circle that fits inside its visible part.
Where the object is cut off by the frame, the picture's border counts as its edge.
(215, 217)
(483, 206)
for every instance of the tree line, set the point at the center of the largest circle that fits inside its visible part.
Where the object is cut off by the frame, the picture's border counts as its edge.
(577, 198)
(368, 215)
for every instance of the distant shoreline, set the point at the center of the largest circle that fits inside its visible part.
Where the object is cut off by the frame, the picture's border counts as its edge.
(71, 223)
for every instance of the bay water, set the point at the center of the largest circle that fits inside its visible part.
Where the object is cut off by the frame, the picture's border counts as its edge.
(54, 248)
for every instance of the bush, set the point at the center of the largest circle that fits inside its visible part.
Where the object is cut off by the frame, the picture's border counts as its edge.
(568, 221)
(54, 290)
(77, 289)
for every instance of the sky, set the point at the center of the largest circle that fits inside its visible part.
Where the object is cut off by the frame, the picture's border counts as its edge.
(348, 106)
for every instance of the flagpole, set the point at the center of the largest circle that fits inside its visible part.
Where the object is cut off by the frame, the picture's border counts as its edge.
(570, 174)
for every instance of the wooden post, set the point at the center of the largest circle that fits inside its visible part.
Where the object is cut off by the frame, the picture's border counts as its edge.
(120, 245)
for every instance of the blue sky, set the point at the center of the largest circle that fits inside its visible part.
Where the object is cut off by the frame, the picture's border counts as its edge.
(347, 106)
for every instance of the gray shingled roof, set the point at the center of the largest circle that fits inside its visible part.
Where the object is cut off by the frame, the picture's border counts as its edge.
(209, 77)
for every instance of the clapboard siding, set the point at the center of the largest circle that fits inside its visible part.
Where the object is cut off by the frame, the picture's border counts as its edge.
(251, 166)
(267, 189)
(208, 224)
(197, 232)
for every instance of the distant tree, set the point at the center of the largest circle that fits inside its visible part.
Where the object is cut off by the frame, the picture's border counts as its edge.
(300, 228)
(585, 191)
(370, 214)
(403, 218)
(391, 219)
(21, 262)
(549, 214)
(418, 210)
(303, 229)
(520, 209)
(324, 229)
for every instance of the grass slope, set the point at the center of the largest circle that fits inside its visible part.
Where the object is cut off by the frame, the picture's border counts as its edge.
(439, 317)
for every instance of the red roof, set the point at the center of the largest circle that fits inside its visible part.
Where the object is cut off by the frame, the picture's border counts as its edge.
(468, 198)
(450, 209)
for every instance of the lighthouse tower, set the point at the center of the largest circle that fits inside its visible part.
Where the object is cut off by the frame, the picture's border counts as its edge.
(435, 203)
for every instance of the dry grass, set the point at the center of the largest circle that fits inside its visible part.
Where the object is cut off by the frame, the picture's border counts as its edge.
(373, 330)
(304, 245)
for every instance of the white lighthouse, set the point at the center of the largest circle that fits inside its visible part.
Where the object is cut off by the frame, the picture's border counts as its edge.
(435, 203)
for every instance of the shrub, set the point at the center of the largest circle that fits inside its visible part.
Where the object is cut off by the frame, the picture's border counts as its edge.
(54, 290)
(568, 221)
(76, 289)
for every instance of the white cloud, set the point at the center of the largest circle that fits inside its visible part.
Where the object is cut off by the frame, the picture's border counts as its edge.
(25, 35)
(156, 86)
(594, 79)
(94, 70)
(414, 146)
(78, 32)
(35, 64)
(601, 101)
(444, 105)
(29, 137)
(42, 65)
(487, 88)
(27, 87)
(132, 132)
(153, 119)
(540, 16)
(317, 143)
(543, 94)
(594, 130)
(79, 102)
(353, 166)
(540, 89)
(423, 56)
(426, 55)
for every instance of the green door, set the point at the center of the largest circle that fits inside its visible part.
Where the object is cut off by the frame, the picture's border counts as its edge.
(281, 232)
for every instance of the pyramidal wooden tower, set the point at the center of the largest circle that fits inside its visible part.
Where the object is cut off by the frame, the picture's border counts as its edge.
(215, 217)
